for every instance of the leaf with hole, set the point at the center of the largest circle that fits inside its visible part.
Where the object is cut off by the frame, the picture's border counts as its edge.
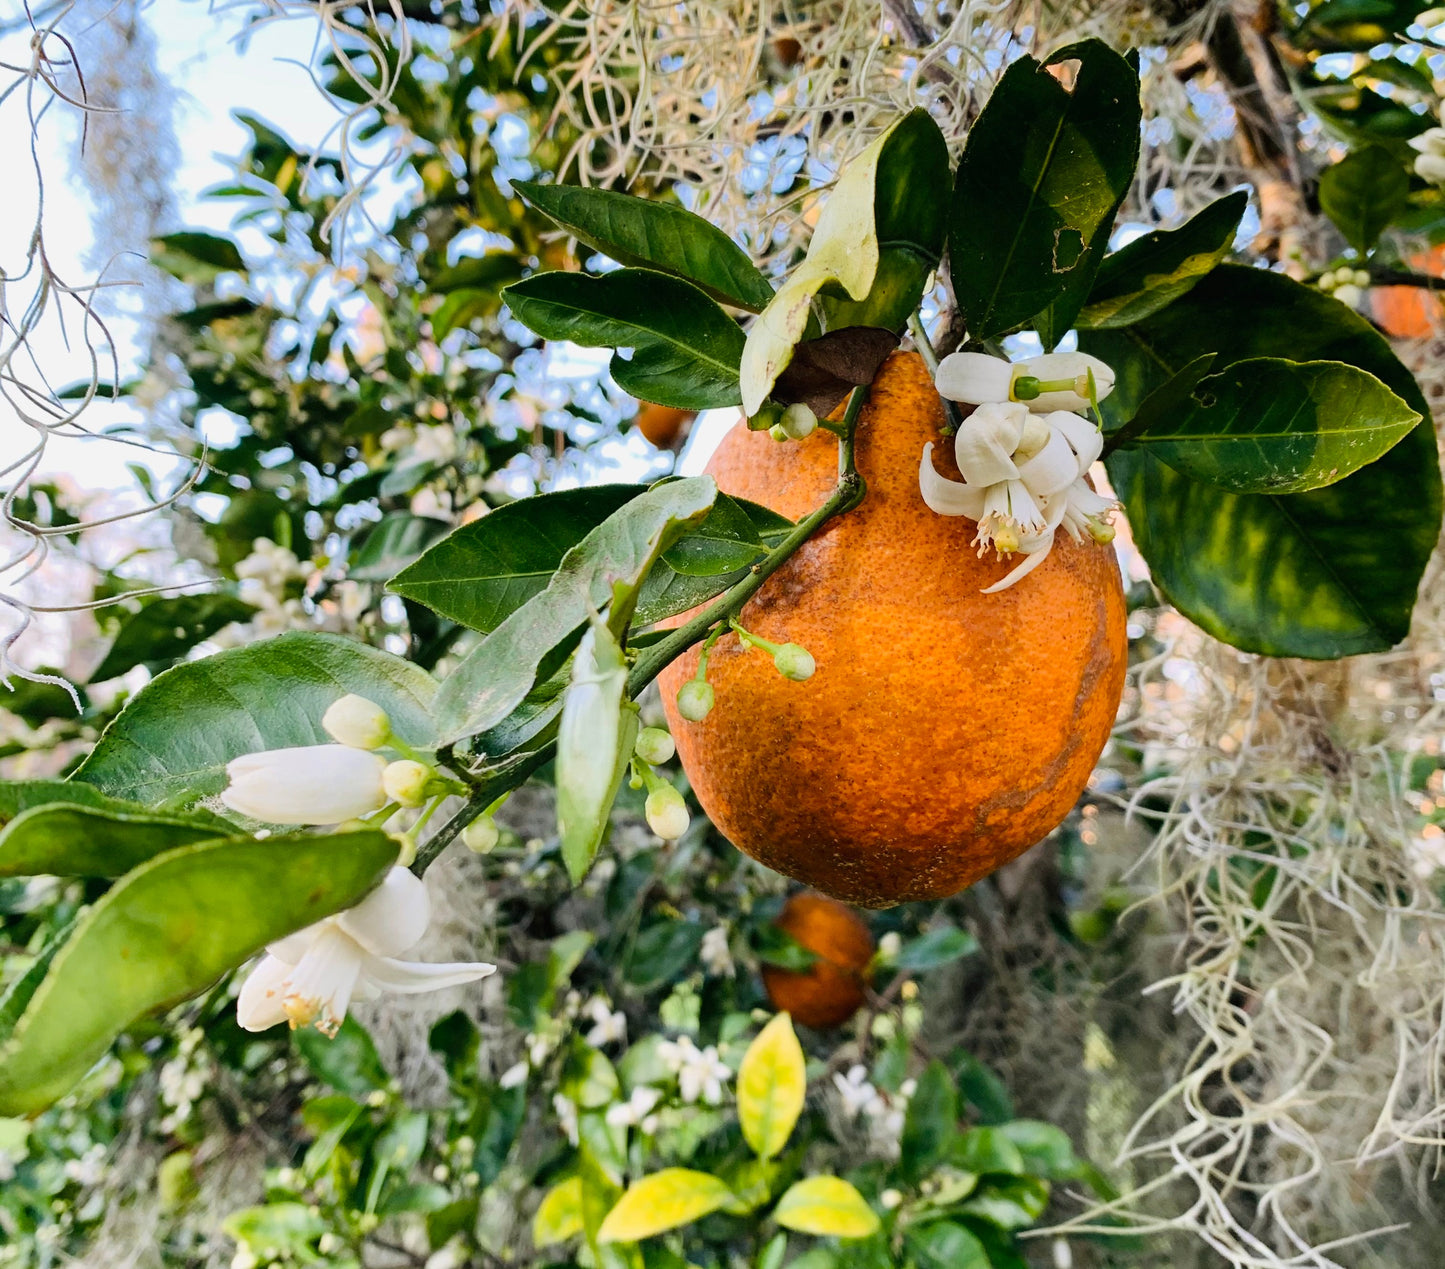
(685, 349)
(168, 930)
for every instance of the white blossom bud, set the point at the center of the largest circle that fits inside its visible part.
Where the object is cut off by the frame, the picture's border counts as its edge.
(353, 720)
(695, 700)
(654, 745)
(405, 782)
(481, 835)
(794, 662)
(310, 784)
(667, 813)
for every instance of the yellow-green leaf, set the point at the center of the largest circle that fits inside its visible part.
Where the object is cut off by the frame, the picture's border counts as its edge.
(663, 1201)
(559, 1217)
(772, 1083)
(826, 1205)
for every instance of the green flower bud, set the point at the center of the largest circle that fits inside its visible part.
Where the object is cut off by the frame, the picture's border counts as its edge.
(779, 433)
(1327, 281)
(405, 782)
(353, 720)
(695, 700)
(654, 745)
(666, 813)
(798, 421)
(794, 662)
(766, 417)
(481, 835)
(1361, 278)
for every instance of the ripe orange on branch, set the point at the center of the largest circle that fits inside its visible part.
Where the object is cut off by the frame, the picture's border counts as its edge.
(946, 731)
(830, 990)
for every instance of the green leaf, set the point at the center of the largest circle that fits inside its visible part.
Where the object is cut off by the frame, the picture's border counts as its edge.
(663, 952)
(165, 629)
(650, 234)
(393, 543)
(63, 840)
(1041, 179)
(944, 1245)
(826, 1206)
(725, 542)
(1014, 1203)
(911, 223)
(1278, 427)
(685, 348)
(1155, 270)
(771, 1087)
(348, 1061)
(497, 676)
(288, 1227)
(19, 796)
(1321, 574)
(196, 258)
(1046, 1149)
(931, 1121)
(486, 570)
(174, 738)
(488, 273)
(939, 946)
(559, 1215)
(985, 1152)
(168, 930)
(663, 1201)
(18, 995)
(1363, 193)
(594, 746)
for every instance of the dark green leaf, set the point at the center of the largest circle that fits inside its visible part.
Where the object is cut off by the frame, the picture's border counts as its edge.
(1321, 574)
(196, 258)
(911, 223)
(168, 930)
(490, 272)
(392, 544)
(686, 349)
(944, 1245)
(166, 629)
(347, 1061)
(1363, 193)
(79, 841)
(1040, 181)
(664, 952)
(1278, 427)
(486, 570)
(982, 1089)
(174, 738)
(775, 946)
(986, 1152)
(1014, 1203)
(495, 679)
(723, 543)
(931, 1122)
(938, 946)
(655, 235)
(1046, 1149)
(1155, 270)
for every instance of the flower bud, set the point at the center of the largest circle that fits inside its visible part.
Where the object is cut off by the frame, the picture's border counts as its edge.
(798, 421)
(766, 418)
(695, 700)
(1349, 294)
(666, 813)
(794, 662)
(1361, 278)
(975, 378)
(309, 784)
(405, 782)
(779, 433)
(1327, 281)
(353, 720)
(654, 745)
(481, 835)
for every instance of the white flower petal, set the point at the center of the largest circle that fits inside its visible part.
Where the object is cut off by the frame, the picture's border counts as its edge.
(1055, 366)
(974, 378)
(318, 989)
(393, 917)
(986, 441)
(309, 784)
(1083, 436)
(409, 978)
(258, 1007)
(1053, 468)
(947, 497)
(1030, 562)
(294, 946)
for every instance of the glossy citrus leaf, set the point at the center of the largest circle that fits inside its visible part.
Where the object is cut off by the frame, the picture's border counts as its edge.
(559, 1215)
(80, 841)
(165, 629)
(826, 1206)
(484, 571)
(1040, 181)
(288, 1227)
(685, 349)
(1272, 426)
(495, 678)
(168, 930)
(772, 1085)
(931, 1122)
(1363, 193)
(391, 544)
(1326, 573)
(594, 746)
(1156, 269)
(662, 1201)
(650, 234)
(171, 743)
(723, 543)
(17, 796)
(946, 1245)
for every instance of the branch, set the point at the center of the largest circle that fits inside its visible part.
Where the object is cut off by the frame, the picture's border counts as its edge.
(513, 771)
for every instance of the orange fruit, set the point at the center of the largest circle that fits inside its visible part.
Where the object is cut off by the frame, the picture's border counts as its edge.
(1411, 312)
(661, 424)
(945, 731)
(830, 990)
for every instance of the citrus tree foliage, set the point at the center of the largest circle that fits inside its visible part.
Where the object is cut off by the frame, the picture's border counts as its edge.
(652, 1110)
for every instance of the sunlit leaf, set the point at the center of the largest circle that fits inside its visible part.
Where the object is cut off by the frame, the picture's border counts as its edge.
(826, 1206)
(772, 1085)
(663, 1201)
(559, 1215)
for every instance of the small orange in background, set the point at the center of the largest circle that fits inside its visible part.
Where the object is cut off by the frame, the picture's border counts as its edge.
(1412, 312)
(830, 990)
(662, 424)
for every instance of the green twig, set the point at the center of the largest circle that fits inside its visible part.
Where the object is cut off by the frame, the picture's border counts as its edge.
(490, 783)
(930, 359)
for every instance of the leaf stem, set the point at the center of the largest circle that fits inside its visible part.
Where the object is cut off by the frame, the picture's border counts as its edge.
(494, 782)
(930, 359)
